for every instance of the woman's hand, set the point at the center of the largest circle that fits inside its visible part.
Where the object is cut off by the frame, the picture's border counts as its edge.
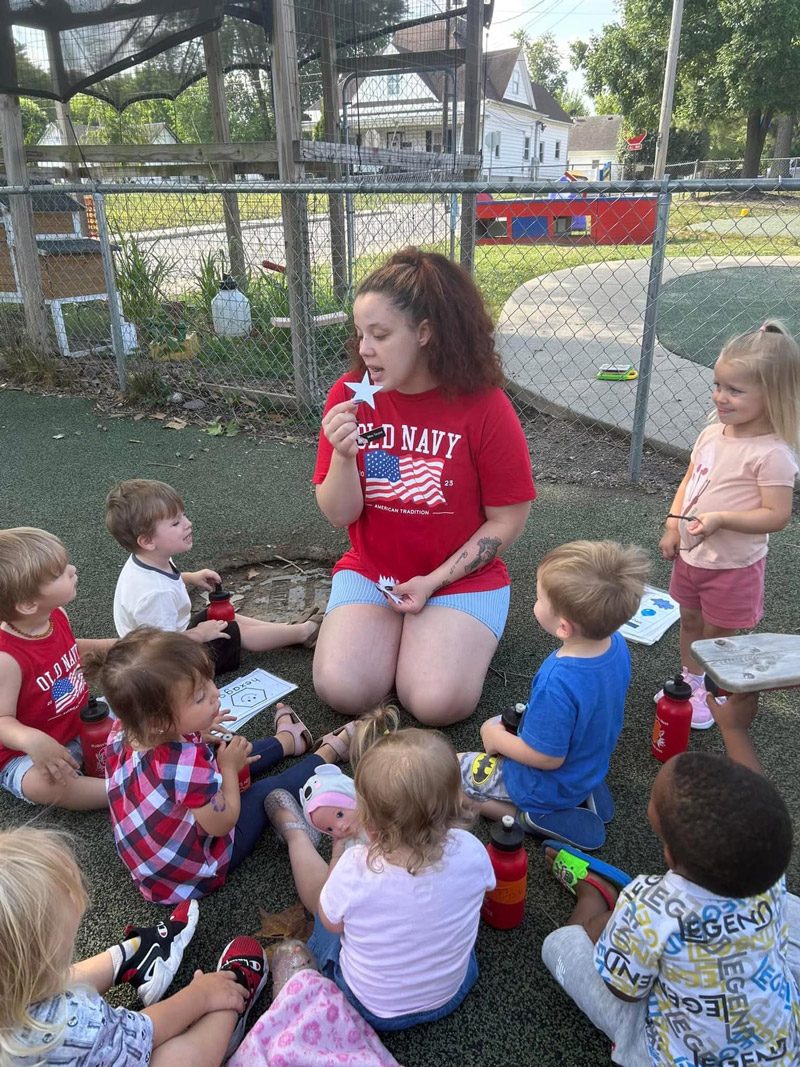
(414, 594)
(340, 427)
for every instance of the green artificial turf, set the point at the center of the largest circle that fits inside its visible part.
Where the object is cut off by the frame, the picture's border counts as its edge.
(240, 494)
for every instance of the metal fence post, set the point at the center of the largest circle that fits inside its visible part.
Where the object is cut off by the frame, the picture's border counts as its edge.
(117, 342)
(649, 332)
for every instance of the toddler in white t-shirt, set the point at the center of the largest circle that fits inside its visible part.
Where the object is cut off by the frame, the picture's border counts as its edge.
(397, 916)
(147, 518)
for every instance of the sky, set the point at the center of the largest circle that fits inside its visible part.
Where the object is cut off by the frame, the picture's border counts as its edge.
(565, 19)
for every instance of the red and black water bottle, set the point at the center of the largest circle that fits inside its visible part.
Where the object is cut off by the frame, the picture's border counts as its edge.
(219, 605)
(512, 716)
(673, 720)
(96, 723)
(504, 906)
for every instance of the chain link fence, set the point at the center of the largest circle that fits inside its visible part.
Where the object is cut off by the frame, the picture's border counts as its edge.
(648, 279)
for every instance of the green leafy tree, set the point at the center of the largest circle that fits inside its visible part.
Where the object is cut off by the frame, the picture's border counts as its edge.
(573, 102)
(544, 61)
(738, 59)
(34, 119)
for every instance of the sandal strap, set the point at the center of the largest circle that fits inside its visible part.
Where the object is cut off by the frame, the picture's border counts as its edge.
(297, 728)
(340, 747)
(569, 870)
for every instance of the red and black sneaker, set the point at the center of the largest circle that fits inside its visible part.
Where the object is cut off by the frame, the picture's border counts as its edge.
(153, 965)
(245, 957)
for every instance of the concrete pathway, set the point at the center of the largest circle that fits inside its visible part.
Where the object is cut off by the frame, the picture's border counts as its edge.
(556, 330)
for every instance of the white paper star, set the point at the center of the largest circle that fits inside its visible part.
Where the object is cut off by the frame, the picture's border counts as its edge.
(364, 390)
(386, 585)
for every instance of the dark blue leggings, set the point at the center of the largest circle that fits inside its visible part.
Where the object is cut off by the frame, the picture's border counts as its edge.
(252, 817)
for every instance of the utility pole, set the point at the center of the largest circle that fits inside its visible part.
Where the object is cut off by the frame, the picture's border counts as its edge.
(664, 122)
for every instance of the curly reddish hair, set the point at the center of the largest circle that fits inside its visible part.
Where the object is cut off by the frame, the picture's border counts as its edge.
(426, 285)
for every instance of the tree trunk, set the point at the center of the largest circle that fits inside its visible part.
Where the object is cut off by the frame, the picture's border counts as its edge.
(784, 129)
(757, 126)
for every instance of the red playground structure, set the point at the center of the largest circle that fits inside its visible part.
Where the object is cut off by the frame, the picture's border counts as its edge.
(593, 220)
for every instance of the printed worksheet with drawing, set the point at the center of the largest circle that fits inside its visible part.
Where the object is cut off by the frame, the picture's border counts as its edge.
(248, 695)
(657, 612)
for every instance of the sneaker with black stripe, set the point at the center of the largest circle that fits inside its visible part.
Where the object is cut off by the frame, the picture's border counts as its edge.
(246, 959)
(152, 967)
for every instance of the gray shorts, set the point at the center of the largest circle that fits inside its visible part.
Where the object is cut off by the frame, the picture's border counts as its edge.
(15, 770)
(482, 776)
(568, 954)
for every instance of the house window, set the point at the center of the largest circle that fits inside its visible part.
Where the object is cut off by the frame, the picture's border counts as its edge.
(393, 85)
(526, 148)
(558, 150)
(515, 82)
(497, 147)
(448, 143)
(429, 140)
(394, 138)
(541, 151)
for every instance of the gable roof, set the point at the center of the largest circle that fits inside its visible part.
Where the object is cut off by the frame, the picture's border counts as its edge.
(595, 133)
(546, 103)
(498, 68)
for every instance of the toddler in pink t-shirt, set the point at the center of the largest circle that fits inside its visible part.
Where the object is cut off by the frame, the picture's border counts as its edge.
(737, 490)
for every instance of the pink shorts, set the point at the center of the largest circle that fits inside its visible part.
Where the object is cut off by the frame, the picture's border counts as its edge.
(731, 599)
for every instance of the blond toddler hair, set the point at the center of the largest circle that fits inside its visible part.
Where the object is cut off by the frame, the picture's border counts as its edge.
(29, 559)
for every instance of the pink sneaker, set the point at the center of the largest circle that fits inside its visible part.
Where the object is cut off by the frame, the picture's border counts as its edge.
(702, 719)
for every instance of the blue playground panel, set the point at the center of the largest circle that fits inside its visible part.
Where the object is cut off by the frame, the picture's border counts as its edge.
(529, 227)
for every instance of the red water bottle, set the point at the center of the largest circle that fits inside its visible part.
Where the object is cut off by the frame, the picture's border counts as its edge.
(503, 906)
(96, 723)
(673, 720)
(219, 605)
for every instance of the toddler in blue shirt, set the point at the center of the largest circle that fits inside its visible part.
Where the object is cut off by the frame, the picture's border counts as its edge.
(552, 772)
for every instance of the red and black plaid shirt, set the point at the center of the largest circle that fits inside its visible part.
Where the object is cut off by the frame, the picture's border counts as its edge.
(151, 796)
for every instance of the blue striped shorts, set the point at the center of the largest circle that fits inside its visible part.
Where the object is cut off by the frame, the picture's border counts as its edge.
(489, 607)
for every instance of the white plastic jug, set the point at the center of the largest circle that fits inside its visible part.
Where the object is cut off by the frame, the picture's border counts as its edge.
(230, 310)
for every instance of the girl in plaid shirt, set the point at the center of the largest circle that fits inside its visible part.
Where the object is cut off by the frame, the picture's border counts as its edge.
(180, 822)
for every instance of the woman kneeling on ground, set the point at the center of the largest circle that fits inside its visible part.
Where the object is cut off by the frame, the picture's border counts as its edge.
(431, 504)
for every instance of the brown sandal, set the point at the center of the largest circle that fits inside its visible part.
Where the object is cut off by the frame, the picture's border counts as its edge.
(315, 614)
(339, 744)
(297, 728)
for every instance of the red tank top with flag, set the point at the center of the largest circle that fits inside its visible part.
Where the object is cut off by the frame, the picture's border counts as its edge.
(53, 688)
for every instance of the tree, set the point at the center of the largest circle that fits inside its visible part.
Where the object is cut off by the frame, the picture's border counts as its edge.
(34, 119)
(544, 61)
(738, 58)
(573, 102)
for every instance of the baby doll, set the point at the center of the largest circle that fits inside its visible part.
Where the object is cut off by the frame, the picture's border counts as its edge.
(329, 802)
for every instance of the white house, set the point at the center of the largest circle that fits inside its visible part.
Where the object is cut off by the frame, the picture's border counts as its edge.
(525, 132)
(594, 143)
(152, 133)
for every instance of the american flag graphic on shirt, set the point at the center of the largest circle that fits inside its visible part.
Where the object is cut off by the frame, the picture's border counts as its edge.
(414, 481)
(68, 692)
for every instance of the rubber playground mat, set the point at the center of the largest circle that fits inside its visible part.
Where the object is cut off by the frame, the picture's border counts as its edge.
(59, 460)
(699, 312)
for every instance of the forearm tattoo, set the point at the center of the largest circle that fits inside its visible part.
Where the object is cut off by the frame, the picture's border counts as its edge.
(218, 801)
(488, 547)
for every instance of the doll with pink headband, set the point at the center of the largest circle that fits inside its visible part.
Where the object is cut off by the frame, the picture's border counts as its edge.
(329, 802)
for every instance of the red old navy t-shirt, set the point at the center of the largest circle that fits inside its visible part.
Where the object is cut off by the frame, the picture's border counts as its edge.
(426, 484)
